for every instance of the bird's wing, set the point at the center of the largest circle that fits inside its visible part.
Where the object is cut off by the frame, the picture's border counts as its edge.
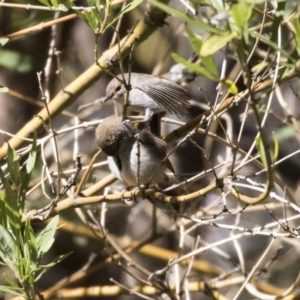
(157, 145)
(167, 94)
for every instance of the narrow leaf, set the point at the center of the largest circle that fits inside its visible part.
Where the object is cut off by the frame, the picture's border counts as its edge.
(194, 40)
(13, 163)
(12, 211)
(45, 238)
(261, 151)
(216, 42)
(3, 89)
(32, 156)
(56, 261)
(10, 290)
(241, 13)
(12, 283)
(230, 86)
(3, 215)
(8, 247)
(276, 147)
(3, 41)
(193, 67)
(296, 24)
(130, 6)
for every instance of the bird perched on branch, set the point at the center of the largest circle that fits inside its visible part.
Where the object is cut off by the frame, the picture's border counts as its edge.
(149, 94)
(135, 156)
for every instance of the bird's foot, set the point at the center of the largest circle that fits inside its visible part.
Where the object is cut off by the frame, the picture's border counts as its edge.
(132, 194)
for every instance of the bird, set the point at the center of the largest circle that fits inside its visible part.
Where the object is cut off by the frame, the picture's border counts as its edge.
(149, 94)
(182, 75)
(137, 157)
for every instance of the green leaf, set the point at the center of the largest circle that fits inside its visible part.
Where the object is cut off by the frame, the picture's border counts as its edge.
(13, 164)
(16, 61)
(271, 44)
(45, 238)
(194, 40)
(32, 156)
(3, 215)
(216, 42)
(184, 17)
(261, 151)
(230, 86)
(11, 281)
(3, 41)
(25, 270)
(296, 24)
(26, 174)
(91, 18)
(276, 147)
(54, 3)
(193, 67)
(8, 247)
(45, 2)
(3, 89)
(207, 61)
(241, 13)
(128, 7)
(12, 210)
(10, 290)
(30, 241)
(56, 261)
(259, 67)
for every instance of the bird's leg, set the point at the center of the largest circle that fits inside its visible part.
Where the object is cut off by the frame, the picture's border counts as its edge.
(123, 192)
(141, 188)
(148, 115)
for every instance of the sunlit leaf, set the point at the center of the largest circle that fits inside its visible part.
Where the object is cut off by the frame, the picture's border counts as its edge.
(54, 3)
(194, 40)
(296, 25)
(259, 67)
(230, 86)
(3, 41)
(215, 43)
(3, 89)
(241, 13)
(193, 67)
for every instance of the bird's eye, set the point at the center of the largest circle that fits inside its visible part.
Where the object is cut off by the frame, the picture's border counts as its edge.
(118, 88)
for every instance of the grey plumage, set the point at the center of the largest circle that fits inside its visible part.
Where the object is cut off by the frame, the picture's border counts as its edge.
(150, 94)
(133, 155)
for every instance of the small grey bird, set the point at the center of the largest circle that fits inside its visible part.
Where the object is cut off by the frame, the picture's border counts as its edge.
(134, 156)
(149, 94)
(182, 75)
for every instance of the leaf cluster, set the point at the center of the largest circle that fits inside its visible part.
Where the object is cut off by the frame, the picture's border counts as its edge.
(20, 248)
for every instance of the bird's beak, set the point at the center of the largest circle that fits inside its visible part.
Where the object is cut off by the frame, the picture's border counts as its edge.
(107, 97)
